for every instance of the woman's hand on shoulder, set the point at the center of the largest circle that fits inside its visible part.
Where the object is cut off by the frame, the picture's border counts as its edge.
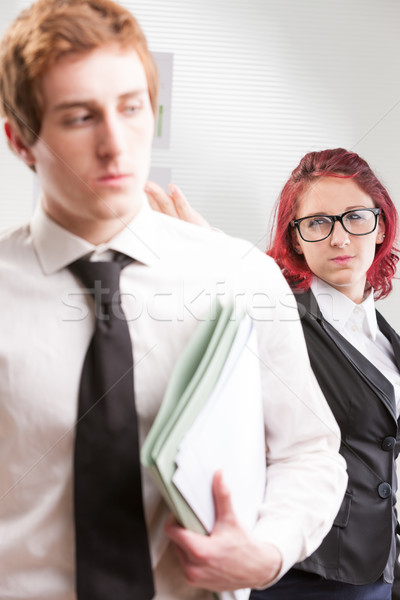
(173, 203)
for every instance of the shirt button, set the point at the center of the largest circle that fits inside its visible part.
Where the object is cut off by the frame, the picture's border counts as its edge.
(354, 328)
(356, 311)
(388, 443)
(384, 490)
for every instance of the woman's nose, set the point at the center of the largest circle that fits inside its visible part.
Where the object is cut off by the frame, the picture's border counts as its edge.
(339, 236)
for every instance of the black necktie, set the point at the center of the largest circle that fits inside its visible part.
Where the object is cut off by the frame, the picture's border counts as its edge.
(112, 553)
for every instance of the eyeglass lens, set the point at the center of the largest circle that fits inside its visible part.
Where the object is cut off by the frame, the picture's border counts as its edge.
(357, 222)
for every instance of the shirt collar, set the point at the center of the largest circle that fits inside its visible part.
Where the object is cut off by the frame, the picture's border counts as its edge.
(57, 248)
(337, 309)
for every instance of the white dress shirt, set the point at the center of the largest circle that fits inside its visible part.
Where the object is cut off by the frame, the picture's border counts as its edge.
(358, 325)
(45, 328)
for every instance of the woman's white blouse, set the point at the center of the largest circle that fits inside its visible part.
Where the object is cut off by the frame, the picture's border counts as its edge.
(358, 325)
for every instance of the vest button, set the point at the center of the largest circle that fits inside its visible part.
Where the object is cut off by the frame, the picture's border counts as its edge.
(384, 490)
(388, 443)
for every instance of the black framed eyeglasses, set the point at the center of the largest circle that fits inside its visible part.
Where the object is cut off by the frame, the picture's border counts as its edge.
(316, 228)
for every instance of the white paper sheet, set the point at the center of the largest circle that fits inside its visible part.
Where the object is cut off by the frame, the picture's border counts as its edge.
(228, 435)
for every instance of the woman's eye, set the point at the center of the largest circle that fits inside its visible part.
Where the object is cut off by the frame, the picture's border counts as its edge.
(318, 222)
(355, 216)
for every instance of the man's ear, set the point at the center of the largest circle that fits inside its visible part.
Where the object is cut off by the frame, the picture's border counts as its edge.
(18, 146)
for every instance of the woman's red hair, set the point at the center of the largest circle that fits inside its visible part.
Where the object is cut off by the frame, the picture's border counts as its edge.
(333, 163)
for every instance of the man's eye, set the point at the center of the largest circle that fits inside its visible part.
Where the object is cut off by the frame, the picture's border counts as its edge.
(78, 119)
(130, 109)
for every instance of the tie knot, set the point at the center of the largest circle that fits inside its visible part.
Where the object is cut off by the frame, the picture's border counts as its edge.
(101, 278)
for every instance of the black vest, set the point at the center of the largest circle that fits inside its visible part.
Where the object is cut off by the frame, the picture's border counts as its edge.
(361, 544)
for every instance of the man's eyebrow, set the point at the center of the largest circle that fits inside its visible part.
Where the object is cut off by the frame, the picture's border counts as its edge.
(93, 103)
(72, 104)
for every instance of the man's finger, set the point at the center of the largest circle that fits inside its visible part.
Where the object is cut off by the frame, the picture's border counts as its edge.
(222, 501)
(189, 541)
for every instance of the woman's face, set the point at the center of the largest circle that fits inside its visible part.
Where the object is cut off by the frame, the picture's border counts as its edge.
(341, 260)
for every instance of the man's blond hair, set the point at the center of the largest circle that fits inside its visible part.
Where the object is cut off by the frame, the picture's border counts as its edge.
(50, 29)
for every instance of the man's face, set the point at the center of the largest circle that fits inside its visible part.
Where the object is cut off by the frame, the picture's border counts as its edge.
(93, 151)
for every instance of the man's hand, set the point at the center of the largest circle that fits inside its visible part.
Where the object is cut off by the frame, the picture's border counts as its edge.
(173, 204)
(230, 557)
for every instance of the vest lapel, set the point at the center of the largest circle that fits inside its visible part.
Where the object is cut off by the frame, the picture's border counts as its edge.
(391, 335)
(365, 369)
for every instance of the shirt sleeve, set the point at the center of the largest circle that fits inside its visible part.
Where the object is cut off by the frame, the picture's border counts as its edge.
(306, 475)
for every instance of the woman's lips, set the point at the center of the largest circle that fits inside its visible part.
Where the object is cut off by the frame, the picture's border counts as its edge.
(341, 260)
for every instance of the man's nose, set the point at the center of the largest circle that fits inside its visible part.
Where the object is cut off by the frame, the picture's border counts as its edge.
(111, 139)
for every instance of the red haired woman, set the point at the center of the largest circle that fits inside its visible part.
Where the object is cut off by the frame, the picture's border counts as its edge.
(335, 230)
(334, 241)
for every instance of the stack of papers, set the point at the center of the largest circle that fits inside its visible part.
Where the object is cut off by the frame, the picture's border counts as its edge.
(211, 418)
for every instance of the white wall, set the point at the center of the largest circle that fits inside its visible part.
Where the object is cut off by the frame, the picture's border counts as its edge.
(257, 84)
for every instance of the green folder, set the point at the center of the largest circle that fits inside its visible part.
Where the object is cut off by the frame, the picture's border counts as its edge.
(191, 384)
